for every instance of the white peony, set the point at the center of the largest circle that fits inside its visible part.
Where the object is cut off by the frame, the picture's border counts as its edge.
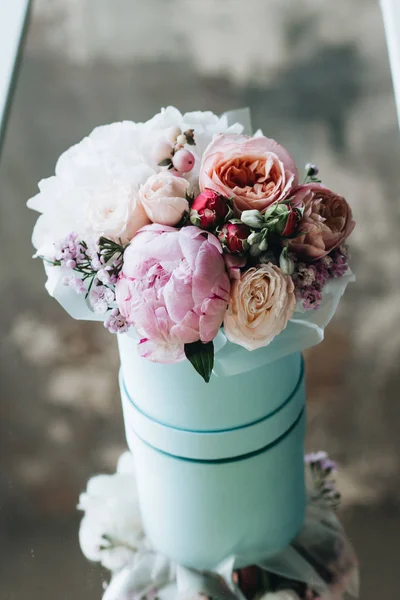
(281, 595)
(94, 190)
(149, 577)
(111, 529)
(117, 213)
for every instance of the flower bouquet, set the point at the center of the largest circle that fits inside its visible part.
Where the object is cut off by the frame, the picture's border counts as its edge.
(198, 245)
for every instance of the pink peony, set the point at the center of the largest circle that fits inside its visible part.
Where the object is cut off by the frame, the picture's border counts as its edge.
(233, 263)
(327, 222)
(173, 289)
(255, 171)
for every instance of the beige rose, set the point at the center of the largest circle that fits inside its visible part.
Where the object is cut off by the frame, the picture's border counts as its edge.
(163, 198)
(261, 303)
(255, 171)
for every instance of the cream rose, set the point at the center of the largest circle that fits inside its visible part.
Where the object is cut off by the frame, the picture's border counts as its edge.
(255, 171)
(116, 213)
(261, 303)
(163, 197)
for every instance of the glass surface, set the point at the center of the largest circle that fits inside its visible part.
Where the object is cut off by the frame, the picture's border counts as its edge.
(316, 76)
(12, 21)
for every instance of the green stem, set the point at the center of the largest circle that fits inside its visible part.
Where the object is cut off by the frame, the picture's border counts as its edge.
(90, 287)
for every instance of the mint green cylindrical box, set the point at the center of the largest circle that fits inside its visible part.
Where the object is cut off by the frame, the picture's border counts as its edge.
(219, 466)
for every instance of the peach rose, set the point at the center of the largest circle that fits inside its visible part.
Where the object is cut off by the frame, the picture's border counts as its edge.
(255, 171)
(261, 303)
(327, 222)
(163, 198)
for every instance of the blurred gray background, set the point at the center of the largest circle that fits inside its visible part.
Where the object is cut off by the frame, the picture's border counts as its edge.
(316, 76)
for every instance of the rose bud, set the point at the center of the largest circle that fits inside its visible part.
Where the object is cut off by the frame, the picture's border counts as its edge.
(253, 218)
(293, 220)
(258, 242)
(311, 170)
(209, 209)
(286, 263)
(233, 237)
(283, 219)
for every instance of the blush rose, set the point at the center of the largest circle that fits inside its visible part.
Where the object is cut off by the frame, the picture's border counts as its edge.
(255, 171)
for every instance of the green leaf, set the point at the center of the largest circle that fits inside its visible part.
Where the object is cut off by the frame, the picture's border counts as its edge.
(202, 358)
(165, 162)
(189, 197)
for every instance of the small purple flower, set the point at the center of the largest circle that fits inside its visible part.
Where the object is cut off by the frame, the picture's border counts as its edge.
(104, 275)
(314, 457)
(96, 263)
(69, 251)
(93, 254)
(116, 323)
(117, 263)
(320, 458)
(304, 276)
(321, 469)
(321, 272)
(108, 275)
(310, 279)
(339, 267)
(321, 277)
(326, 261)
(311, 298)
(100, 298)
(339, 262)
(75, 283)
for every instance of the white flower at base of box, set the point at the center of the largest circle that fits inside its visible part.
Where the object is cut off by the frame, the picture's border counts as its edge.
(183, 225)
(111, 531)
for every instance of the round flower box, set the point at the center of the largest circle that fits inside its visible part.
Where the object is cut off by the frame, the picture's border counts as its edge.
(219, 465)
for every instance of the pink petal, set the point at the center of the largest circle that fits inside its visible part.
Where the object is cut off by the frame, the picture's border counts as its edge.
(209, 273)
(214, 311)
(161, 353)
